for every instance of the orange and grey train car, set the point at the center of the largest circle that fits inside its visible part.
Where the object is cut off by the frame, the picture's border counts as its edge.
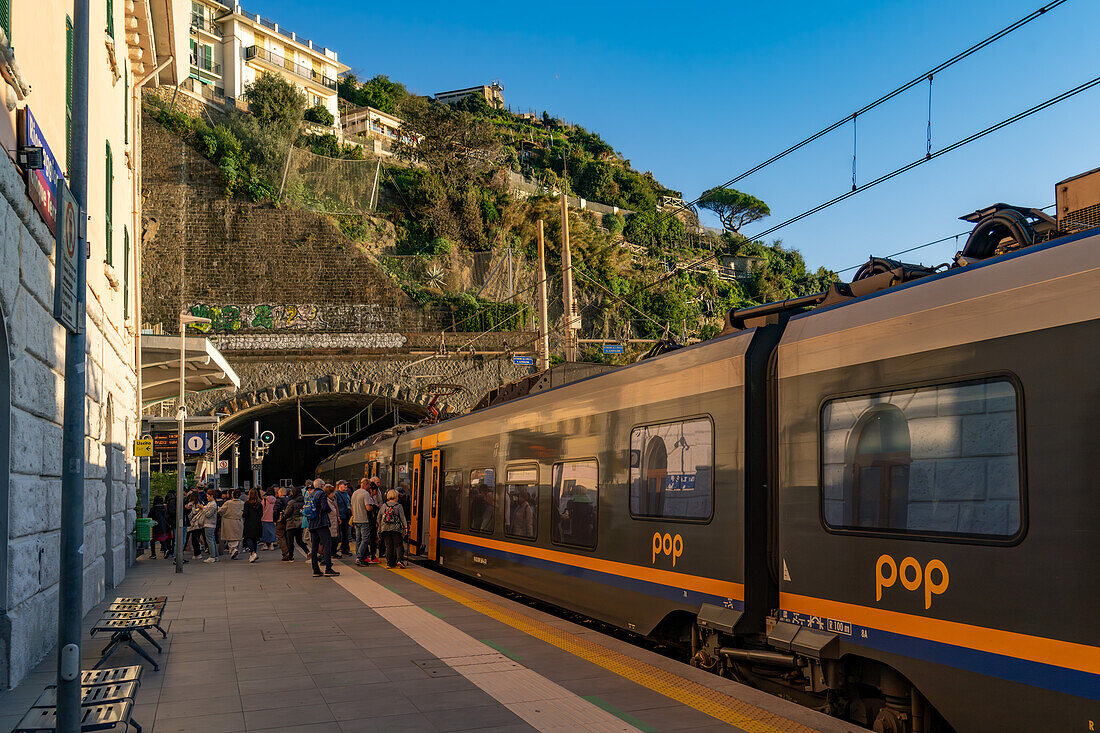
(885, 508)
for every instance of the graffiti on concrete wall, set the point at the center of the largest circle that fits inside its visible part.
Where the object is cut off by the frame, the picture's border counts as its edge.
(233, 318)
(264, 316)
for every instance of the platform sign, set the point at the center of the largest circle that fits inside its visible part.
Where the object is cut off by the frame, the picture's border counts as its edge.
(523, 360)
(66, 298)
(143, 448)
(612, 348)
(195, 443)
(223, 467)
(166, 443)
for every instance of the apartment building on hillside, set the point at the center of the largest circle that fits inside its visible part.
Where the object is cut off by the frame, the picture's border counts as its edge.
(372, 128)
(230, 47)
(491, 93)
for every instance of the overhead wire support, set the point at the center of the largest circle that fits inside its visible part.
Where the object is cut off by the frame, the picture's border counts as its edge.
(928, 138)
(888, 96)
(931, 156)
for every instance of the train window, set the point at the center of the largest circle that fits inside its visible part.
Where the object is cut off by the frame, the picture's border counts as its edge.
(672, 470)
(521, 502)
(483, 500)
(576, 503)
(452, 499)
(939, 460)
(404, 479)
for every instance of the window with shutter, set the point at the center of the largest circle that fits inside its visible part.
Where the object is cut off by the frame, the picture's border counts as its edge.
(5, 18)
(126, 274)
(109, 199)
(111, 19)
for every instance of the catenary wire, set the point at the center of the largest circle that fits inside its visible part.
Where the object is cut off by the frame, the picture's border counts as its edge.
(924, 159)
(885, 98)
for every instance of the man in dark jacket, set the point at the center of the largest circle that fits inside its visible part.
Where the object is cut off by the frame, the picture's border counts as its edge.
(320, 536)
(343, 502)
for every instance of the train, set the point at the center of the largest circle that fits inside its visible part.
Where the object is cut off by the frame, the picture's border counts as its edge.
(878, 501)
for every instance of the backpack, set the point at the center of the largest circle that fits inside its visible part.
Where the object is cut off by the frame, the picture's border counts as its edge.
(390, 515)
(309, 511)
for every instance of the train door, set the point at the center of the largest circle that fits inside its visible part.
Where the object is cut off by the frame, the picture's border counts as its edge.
(414, 515)
(433, 506)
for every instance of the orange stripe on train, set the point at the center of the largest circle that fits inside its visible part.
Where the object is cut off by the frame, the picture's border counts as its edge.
(710, 586)
(1040, 649)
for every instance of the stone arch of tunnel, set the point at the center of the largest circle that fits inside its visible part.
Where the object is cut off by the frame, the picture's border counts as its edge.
(322, 403)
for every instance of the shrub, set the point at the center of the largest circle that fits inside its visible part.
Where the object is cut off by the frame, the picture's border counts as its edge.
(319, 114)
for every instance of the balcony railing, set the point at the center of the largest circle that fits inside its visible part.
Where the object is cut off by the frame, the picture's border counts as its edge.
(214, 94)
(201, 62)
(257, 52)
(199, 22)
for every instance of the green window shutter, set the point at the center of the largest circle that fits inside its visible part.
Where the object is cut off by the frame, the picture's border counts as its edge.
(5, 18)
(111, 18)
(126, 274)
(68, 94)
(109, 194)
(126, 105)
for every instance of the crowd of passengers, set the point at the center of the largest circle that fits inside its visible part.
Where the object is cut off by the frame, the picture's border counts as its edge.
(321, 518)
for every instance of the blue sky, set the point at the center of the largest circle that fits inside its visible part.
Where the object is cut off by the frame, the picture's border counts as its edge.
(697, 94)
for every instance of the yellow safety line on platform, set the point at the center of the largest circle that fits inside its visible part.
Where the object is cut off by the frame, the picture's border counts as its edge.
(712, 702)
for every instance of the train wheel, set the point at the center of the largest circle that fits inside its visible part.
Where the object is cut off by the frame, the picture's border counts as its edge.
(891, 721)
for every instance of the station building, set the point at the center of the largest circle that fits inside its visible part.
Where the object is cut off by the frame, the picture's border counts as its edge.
(134, 44)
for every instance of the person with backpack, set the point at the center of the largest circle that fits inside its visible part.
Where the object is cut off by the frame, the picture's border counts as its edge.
(316, 512)
(292, 516)
(392, 526)
(362, 514)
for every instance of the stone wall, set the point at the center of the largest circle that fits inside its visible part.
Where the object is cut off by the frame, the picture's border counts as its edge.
(30, 503)
(234, 254)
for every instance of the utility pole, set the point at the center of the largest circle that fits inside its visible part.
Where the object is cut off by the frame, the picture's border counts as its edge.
(234, 461)
(256, 457)
(544, 325)
(567, 284)
(71, 571)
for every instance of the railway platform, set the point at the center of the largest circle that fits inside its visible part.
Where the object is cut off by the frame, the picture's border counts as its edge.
(268, 647)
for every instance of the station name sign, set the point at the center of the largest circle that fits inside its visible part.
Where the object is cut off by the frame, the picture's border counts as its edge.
(41, 184)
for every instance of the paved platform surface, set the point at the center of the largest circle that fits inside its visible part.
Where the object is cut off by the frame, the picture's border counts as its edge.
(267, 647)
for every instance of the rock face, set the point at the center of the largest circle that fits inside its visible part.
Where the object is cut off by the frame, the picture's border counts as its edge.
(32, 357)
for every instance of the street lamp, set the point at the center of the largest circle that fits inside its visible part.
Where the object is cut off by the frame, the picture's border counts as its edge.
(181, 416)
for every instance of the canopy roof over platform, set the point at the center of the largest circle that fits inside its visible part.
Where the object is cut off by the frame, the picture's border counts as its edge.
(205, 368)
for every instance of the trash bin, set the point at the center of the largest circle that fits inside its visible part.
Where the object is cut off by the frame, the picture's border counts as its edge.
(143, 529)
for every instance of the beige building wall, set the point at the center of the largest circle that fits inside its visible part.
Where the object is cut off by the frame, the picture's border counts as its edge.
(32, 364)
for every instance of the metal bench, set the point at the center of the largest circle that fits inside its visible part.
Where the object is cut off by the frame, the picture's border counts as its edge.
(91, 677)
(92, 694)
(105, 716)
(106, 702)
(122, 631)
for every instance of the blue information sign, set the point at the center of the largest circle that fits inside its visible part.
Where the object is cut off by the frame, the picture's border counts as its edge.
(41, 183)
(612, 348)
(523, 360)
(195, 443)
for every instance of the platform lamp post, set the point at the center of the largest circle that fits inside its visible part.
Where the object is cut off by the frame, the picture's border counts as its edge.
(181, 417)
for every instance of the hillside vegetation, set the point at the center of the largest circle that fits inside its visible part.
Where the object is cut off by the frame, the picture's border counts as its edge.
(448, 193)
